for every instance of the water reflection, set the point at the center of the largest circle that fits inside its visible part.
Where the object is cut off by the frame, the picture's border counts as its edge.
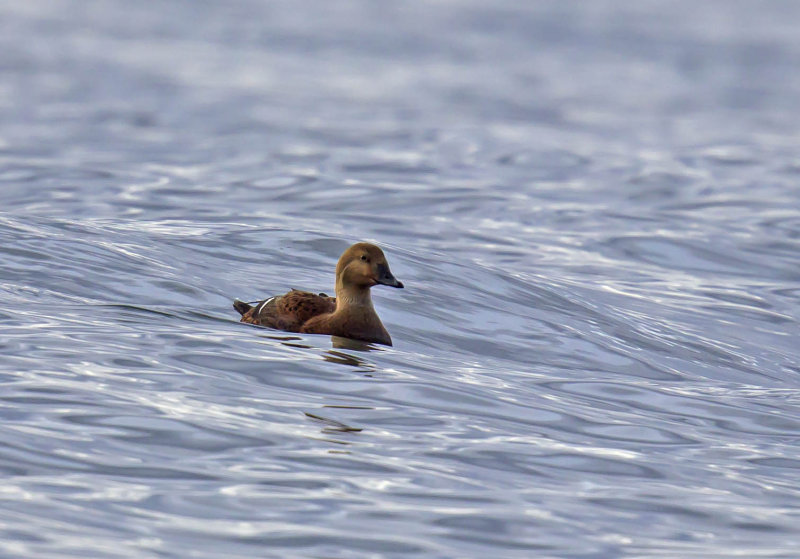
(332, 425)
(344, 359)
(347, 343)
(331, 355)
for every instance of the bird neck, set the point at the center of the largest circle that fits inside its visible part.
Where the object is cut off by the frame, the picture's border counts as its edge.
(350, 296)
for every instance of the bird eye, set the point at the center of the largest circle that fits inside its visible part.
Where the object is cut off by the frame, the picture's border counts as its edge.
(364, 257)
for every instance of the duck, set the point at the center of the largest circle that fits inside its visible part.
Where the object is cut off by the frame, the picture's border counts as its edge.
(349, 314)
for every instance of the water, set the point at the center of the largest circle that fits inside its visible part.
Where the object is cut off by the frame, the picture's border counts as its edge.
(594, 208)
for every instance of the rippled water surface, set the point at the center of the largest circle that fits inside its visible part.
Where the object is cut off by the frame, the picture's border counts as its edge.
(595, 209)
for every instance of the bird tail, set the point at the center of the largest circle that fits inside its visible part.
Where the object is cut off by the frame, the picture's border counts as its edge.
(241, 307)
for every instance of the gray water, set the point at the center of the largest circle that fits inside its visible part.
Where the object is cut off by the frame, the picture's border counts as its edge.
(595, 209)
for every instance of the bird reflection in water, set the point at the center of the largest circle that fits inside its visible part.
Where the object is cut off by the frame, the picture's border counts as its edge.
(332, 355)
(333, 426)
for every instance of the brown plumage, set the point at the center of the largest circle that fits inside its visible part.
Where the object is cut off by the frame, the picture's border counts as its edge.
(350, 314)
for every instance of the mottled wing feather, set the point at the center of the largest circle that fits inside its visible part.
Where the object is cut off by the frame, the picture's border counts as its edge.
(289, 312)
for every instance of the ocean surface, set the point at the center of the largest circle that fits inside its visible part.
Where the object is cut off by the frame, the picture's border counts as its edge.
(594, 207)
